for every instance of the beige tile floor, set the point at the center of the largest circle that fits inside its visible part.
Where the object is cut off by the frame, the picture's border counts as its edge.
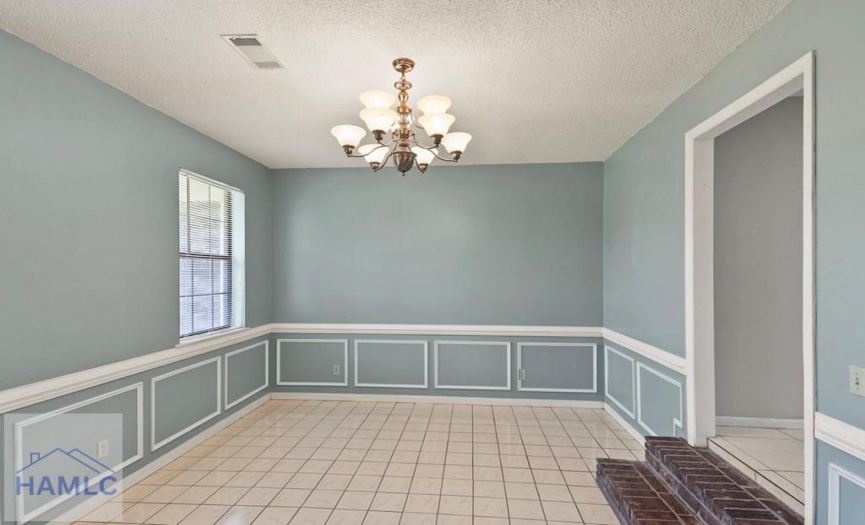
(325, 462)
(775, 458)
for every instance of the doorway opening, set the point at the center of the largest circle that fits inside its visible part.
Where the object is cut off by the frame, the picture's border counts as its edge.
(758, 307)
(725, 292)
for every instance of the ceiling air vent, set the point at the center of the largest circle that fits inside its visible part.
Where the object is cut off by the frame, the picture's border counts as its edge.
(251, 48)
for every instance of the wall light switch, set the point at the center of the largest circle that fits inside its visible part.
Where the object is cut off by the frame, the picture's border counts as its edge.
(857, 380)
(102, 449)
(336, 370)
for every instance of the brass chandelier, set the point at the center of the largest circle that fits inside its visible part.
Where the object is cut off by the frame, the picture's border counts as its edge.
(403, 147)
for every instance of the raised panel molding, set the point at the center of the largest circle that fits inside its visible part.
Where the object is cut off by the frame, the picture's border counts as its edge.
(594, 349)
(154, 445)
(507, 350)
(281, 382)
(618, 403)
(359, 342)
(266, 383)
(836, 474)
(677, 422)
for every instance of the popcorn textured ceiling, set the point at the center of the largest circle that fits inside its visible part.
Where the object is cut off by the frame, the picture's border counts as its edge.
(531, 80)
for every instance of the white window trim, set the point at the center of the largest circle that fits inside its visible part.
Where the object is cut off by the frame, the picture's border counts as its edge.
(210, 335)
(238, 263)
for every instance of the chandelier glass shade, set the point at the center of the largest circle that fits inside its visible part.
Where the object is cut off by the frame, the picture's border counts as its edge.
(394, 129)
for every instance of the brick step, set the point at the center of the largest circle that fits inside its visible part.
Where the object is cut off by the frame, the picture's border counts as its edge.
(712, 488)
(638, 497)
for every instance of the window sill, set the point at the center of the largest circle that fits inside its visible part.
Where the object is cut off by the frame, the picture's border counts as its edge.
(210, 335)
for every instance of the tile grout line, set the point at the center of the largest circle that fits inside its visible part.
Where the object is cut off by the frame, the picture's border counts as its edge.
(319, 421)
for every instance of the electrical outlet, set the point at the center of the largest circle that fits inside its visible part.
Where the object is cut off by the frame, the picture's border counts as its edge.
(857, 380)
(522, 374)
(102, 449)
(336, 370)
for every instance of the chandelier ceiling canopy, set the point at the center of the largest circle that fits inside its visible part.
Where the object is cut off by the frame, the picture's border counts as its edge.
(402, 145)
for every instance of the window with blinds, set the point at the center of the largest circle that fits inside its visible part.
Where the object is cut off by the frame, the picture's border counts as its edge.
(206, 256)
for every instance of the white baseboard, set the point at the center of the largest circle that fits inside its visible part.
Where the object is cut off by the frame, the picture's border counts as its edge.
(622, 421)
(449, 400)
(94, 503)
(759, 422)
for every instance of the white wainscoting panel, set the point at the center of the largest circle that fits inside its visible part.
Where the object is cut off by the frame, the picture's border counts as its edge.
(154, 445)
(506, 347)
(282, 382)
(836, 474)
(359, 342)
(607, 351)
(677, 423)
(264, 345)
(594, 350)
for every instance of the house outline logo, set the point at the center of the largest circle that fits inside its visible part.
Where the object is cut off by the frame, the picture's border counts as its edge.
(99, 479)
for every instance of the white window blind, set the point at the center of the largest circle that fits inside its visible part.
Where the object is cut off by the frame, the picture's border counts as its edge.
(206, 259)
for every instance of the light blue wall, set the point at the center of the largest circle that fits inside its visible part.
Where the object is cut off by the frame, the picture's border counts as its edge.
(644, 244)
(643, 195)
(88, 219)
(510, 245)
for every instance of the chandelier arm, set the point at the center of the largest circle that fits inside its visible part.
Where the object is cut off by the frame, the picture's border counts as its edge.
(383, 161)
(388, 143)
(421, 145)
(434, 150)
(353, 156)
(436, 153)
